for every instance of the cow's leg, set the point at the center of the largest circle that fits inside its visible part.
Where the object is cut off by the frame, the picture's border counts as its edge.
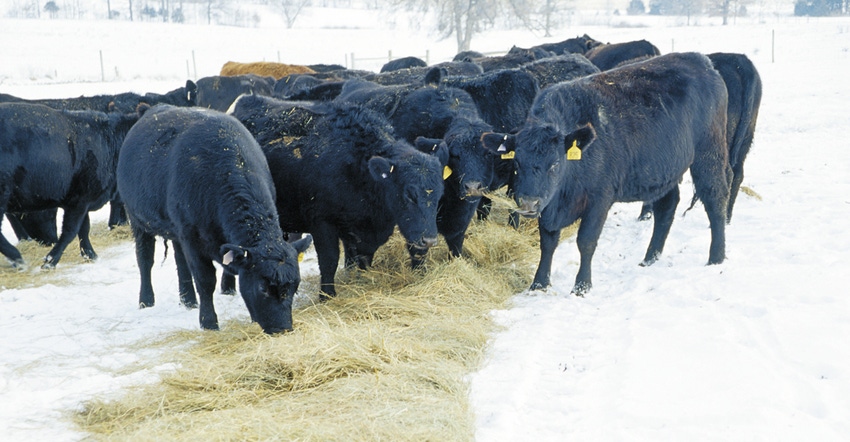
(71, 222)
(203, 272)
(548, 242)
(10, 251)
(18, 227)
(664, 210)
(712, 180)
(184, 278)
(86, 249)
(586, 239)
(228, 283)
(485, 206)
(326, 243)
(145, 246)
(645, 212)
(117, 213)
(737, 179)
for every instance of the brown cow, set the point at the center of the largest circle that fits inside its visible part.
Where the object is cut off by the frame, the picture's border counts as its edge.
(264, 69)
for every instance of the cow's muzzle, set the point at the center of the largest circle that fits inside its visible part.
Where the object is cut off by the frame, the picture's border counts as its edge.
(529, 207)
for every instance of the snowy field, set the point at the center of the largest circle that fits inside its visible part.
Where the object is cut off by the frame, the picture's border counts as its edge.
(752, 349)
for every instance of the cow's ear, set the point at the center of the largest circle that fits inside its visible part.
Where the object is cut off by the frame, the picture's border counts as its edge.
(581, 138)
(303, 244)
(380, 168)
(233, 256)
(434, 76)
(191, 92)
(499, 144)
(141, 108)
(433, 146)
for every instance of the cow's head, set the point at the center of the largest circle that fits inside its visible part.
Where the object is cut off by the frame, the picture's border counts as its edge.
(412, 184)
(471, 163)
(542, 156)
(268, 279)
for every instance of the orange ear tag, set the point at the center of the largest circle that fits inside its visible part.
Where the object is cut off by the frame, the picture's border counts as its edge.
(574, 153)
(509, 156)
(301, 257)
(447, 172)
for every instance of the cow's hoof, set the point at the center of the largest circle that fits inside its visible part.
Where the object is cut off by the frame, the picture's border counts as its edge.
(19, 265)
(190, 304)
(581, 288)
(143, 305)
(48, 265)
(535, 286)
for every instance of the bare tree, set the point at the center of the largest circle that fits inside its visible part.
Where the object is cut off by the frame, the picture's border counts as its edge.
(539, 15)
(290, 9)
(461, 18)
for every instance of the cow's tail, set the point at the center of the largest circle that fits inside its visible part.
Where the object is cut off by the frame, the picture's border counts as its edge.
(165, 254)
(739, 144)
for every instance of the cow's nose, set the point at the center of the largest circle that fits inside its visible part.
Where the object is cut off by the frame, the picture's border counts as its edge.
(429, 242)
(528, 206)
(473, 188)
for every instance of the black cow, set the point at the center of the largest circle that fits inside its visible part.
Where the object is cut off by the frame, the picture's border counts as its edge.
(403, 63)
(295, 83)
(219, 92)
(577, 45)
(197, 178)
(434, 110)
(559, 68)
(467, 55)
(343, 176)
(743, 87)
(42, 227)
(608, 56)
(627, 134)
(50, 159)
(125, 102)
(421, 74)
(503, 99)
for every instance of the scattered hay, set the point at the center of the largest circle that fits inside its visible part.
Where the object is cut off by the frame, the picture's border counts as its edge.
(33, 253)
(750, 192)
(384, 360)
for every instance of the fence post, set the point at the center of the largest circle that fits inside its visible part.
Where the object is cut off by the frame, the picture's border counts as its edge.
(390, 55)
(352, 60)
(194, 65)
(188, 71)
(102, 73)
(428, 57)
(772, 45)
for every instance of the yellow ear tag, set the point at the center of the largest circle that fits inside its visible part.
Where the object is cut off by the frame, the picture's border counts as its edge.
(447, 172)
(301, 257)
(509, 156)
(574, 153)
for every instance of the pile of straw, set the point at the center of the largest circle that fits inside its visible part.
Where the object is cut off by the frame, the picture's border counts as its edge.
(385, 360)
(33, 253)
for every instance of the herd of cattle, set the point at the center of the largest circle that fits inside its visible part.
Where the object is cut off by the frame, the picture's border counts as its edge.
(234, 168)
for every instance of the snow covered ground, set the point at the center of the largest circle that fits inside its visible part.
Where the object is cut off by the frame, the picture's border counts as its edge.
(752, 349)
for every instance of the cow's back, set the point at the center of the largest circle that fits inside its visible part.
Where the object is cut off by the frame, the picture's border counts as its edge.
(174, 166)
(34, 139)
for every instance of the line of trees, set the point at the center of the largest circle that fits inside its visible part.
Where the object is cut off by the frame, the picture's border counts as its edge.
(461, 19)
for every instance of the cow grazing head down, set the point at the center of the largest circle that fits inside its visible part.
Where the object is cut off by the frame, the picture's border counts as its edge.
(268, 279)
(411, 186)
(543, 158)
